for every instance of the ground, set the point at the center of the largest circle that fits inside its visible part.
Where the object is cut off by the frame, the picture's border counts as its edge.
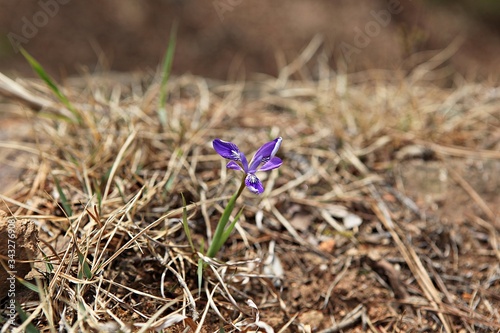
(383, 217)
(247, 37)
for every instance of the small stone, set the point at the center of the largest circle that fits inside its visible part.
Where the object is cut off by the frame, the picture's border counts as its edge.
(313, 318)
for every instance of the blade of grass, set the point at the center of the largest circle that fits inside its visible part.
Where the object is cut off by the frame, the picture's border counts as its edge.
(65, 203)
(201, 266)
(48, 264)
(98, 193)
(30, 328)
(199, 272)
(51, 84)
(85, 266)
(166, 70)
(168, 185)
(28, 285)
(53, 116)
(185, 223)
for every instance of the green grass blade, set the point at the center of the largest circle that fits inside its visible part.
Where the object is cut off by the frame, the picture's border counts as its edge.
(28, 285)
(24, 316)
(58, 117)
(120, 192)
(50, 83)
(166, 70)
(85, 266)
(98, 193)
(185, 223)
(65, 203)
(169, 184)
(48, 264)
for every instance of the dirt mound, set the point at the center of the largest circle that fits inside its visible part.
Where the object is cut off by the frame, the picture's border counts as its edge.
(19, 247)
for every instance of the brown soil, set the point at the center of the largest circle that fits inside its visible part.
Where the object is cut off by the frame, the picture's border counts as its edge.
(219, 40)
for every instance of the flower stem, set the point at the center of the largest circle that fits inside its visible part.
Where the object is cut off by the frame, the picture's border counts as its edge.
(218, 239)
(242, 186)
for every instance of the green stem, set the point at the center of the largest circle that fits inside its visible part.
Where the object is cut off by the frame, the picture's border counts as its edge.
(217, 240)
(242, 186)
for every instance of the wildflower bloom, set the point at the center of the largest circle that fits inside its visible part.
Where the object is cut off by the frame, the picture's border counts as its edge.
(263, 160)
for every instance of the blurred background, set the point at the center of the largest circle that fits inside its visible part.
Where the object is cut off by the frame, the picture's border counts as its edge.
(234, 38)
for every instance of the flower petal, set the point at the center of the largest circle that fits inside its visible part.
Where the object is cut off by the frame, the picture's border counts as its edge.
(273, 163)
(235, 166)
(227, 149)
(253, 184)
(244, 162)
(265, 153)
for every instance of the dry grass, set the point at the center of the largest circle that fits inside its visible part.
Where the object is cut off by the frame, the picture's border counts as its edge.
(121, 261)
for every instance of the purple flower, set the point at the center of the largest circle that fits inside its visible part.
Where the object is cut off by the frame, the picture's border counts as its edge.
(263, 160)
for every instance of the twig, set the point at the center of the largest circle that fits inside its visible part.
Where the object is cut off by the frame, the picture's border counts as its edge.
(380, 264)
(350, 319)
(336, 281)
